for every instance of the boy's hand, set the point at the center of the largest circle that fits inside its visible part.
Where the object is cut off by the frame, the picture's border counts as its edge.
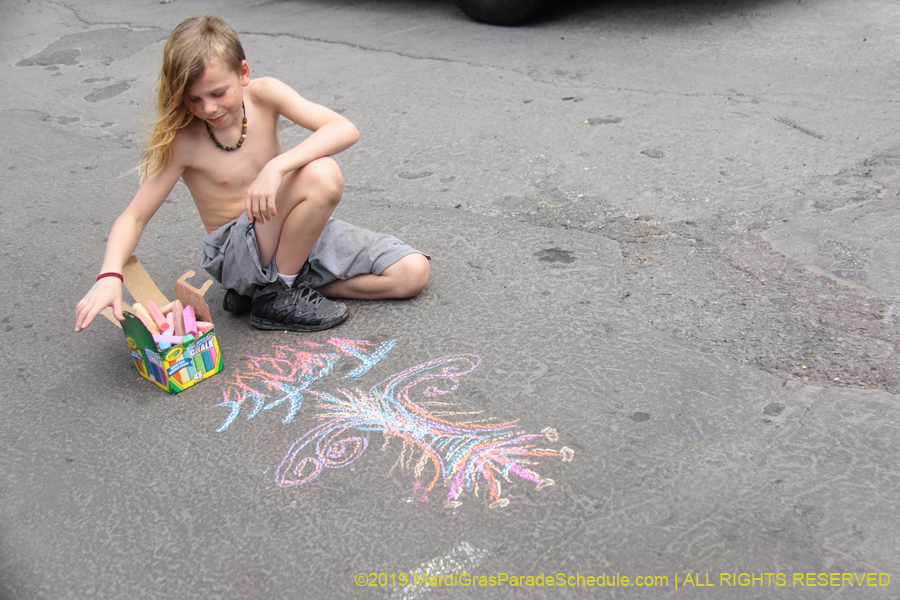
(106, 292)
(260, 204)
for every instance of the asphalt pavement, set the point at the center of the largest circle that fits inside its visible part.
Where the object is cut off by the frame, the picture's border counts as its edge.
(657, 357)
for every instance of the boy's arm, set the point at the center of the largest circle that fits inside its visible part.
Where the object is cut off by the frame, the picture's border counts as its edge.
(123, 239)
(332, 134)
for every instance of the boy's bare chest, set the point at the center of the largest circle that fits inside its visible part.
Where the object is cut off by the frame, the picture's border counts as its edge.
(219, 173)
(226, 173)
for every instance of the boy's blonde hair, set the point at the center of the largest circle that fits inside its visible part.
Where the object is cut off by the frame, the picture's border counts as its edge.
(191, 46)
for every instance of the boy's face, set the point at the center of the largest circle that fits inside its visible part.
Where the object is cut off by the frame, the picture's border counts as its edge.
(217, 96)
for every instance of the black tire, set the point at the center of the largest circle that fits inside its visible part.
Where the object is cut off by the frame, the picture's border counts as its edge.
(502, 12)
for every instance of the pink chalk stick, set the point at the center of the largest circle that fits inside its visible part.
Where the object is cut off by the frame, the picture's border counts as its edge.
(203, 326)
(170, 325)
(190, 321)
(156, 315)
(172, 339)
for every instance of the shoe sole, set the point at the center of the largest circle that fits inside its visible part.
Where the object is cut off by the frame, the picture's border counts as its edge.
(268, 325)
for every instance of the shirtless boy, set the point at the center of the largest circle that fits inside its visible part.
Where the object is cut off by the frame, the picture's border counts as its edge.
(272, 243)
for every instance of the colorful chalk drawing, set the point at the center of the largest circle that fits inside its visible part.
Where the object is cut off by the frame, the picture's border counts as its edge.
(466, 456)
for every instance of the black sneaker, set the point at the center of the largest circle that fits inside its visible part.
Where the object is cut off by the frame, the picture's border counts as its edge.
(236, 304)
(299, 308)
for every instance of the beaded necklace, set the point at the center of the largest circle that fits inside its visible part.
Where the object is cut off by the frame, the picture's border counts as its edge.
(240, 141)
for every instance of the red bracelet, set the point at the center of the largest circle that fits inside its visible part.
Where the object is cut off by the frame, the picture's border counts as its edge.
(111, 274)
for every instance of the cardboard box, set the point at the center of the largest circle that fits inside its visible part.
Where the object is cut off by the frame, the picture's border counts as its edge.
(177, 368)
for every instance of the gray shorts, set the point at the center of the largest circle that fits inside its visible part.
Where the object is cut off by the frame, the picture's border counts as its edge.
(231, 256)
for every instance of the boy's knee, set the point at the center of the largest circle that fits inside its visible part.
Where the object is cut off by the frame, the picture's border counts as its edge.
(324, 176)
(416, 271)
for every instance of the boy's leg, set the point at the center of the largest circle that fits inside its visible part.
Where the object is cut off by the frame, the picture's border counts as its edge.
(305, 201)
(403, 279)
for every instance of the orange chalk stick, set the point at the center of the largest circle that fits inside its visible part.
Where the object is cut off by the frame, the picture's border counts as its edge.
(177, 310)
(144, 316)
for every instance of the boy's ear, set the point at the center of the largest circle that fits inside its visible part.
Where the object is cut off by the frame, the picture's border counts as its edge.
(245, 73)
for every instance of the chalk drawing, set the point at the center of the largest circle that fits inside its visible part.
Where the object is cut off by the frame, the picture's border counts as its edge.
(357, 349)
(467, 457)
(290, 372)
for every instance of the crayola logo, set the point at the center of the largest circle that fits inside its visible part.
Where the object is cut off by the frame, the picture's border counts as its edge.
(174, 354)
(131, 343)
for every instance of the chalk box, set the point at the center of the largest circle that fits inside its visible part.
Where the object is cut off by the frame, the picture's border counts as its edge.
(177, 368)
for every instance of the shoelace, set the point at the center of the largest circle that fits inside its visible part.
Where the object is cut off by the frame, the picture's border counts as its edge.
(311, 296)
